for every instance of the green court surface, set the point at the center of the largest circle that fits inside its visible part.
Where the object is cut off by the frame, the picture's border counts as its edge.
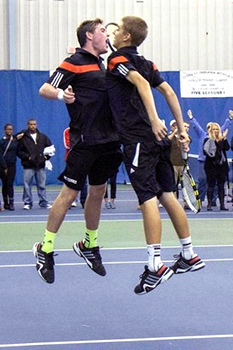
(114, 233)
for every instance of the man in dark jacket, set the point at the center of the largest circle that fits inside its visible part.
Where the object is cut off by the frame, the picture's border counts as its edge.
(31, 148)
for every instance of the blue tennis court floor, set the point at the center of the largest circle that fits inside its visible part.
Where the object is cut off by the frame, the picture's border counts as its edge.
(82, 310)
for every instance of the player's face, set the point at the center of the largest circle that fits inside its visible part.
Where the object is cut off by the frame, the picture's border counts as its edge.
(32, 126)
(119, 35)
(100, 39)
(9, 130)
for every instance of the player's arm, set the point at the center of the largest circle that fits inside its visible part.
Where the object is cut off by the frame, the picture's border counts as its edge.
(166, 90)
(144, 90)
(172, 100)
(51, 93)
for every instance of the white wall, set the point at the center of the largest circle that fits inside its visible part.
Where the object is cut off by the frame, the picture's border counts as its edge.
(183, 34)
(4, 59)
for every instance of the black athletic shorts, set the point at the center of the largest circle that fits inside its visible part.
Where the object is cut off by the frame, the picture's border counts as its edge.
(149, 168)
(98, 163)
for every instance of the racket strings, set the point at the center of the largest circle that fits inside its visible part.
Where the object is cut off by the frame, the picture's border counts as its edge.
(191, 190)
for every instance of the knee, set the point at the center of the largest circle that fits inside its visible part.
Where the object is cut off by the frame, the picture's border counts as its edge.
(67, 195)
(97, 192)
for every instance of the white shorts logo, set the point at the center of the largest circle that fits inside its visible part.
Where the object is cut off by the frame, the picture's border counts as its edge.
(70, 180)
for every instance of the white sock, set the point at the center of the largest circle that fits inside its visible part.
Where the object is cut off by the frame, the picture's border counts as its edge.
(187, 248)
(154, 258)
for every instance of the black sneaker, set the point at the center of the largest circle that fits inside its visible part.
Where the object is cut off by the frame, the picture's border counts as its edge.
(182, 265)
(150, 280)
(44, 264)
(91, 256)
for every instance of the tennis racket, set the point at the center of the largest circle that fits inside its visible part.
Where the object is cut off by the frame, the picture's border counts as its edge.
(189, 188)
(110, 28)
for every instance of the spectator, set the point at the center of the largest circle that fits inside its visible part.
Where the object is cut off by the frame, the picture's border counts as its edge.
(8, 154)
(113, 186)
(216, 166)
(83, 192)
(31, 148)
(1, 170)
(201, 135)
(176, 155)
(232, 169)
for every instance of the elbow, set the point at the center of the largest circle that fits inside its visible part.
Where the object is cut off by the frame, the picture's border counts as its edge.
(44, 90)
(170, 93)
(41, 91)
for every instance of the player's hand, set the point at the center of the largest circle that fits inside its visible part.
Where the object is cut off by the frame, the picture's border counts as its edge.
(184, 140)
(69, 95)
(159, 129)
(230, 114)
(190, 115)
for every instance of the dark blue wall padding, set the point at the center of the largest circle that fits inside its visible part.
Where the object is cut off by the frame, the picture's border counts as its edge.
(19, 101)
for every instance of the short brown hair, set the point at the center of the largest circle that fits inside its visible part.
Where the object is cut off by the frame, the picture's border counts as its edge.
(86, 26)
(136, 27)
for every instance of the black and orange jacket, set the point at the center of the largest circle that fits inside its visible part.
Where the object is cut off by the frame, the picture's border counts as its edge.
(129, 113)
(91, 121)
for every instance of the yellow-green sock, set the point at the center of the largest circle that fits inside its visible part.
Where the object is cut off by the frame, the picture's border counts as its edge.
(91, 238)
(48, 242)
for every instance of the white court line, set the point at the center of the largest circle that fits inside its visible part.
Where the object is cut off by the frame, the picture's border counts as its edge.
(110, 263)
(105, 215)
(109, 341)
(126, 248)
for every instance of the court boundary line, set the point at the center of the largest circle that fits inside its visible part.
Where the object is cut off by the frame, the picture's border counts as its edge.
(110, 220)
(110, 263)
(124, 248)
(125, 340)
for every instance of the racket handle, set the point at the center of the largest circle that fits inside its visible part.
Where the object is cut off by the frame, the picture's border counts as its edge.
(184, 154)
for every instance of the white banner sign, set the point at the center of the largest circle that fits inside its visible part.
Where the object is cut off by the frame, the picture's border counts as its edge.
(199, 84)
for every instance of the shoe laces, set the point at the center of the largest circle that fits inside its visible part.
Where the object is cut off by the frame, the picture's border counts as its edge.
(50, 259)
(143, 275)
(176, 256)
(96, 253)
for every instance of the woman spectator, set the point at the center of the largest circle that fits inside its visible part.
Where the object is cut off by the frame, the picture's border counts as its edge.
(216, 166)
(8, 154)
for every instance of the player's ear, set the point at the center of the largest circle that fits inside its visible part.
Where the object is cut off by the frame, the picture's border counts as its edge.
(89, 35)
(127, 37)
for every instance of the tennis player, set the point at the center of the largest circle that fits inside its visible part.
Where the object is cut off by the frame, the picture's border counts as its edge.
(146, 149)
(95, 151)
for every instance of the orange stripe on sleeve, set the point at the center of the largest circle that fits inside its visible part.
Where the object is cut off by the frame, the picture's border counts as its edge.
(79, 69)
(155, 67)
(115, 61)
